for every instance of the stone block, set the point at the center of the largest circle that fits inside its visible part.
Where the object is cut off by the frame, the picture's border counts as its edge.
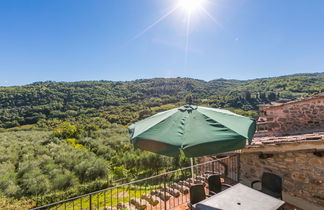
(315, 162)
(300, 160)
(252, 171)
(289, 160)
(301, 154)
(288, 186)
(299, 177)
(304, 194)
(280, 165)
(317, 182)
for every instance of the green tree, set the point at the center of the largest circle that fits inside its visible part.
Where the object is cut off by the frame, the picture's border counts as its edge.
(66, 130)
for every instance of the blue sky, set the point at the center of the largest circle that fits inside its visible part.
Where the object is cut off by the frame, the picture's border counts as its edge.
(73, 40)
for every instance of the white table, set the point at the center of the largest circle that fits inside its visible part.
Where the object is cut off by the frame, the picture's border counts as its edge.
(240, 197)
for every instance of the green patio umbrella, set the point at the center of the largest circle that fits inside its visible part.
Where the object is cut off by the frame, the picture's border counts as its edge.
(195, 130)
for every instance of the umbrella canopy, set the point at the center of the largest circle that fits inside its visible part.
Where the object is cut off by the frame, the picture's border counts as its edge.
(196, 130)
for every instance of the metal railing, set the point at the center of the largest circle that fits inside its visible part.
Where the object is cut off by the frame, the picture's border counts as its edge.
(163, 191)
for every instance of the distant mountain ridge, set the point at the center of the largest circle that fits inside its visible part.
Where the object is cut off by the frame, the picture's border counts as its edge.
(126, 102)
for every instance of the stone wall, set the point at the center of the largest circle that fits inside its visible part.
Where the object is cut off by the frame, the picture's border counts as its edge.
(295, 117)
(302, 173)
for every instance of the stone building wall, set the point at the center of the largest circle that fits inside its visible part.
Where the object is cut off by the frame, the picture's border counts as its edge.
(302, 173)
(295, 117)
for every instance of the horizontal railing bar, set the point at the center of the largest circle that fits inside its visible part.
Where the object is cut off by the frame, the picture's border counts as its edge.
(129, 183)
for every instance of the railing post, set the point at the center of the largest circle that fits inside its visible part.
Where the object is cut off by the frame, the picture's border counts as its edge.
(213, 167)
(98, 205)
(90, 202)
(225, 168)
(192, 169)
(164, 185)
(104, 198)
(238, 163)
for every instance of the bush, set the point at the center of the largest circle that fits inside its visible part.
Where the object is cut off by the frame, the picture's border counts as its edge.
(63, 181)
(9, 204)
(89, 170)
(66, 130)
(35, 183)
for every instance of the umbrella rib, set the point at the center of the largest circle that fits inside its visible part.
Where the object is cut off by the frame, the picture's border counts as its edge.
(221, 124)
(149, 127)
(203, 113)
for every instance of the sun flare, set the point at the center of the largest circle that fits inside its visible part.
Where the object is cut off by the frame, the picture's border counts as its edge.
(188, 11)
(190, 6)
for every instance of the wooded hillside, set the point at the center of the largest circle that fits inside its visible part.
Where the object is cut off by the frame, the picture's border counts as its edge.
(45, 103)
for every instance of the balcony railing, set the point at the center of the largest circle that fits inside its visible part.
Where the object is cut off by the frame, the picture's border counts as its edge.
(164, 191)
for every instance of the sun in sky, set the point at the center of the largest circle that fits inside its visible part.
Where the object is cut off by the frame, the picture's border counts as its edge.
(189, 8)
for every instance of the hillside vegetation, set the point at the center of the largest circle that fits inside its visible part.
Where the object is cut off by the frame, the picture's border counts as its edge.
(47, 166)
(46, 103)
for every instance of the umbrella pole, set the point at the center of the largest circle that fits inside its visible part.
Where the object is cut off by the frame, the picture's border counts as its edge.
(192, 170)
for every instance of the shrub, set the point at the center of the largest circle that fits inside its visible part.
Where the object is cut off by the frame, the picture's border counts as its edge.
(9, 204)
(66, 130)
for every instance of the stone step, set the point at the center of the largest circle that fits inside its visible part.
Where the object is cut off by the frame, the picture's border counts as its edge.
(139, 204)
(171, 191)
(152, 200)
(164, 196)
(122, 205)
(184, 183)
(201, 178)
(183, 189)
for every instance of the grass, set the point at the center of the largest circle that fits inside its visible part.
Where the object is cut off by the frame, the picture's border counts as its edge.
(108, 198)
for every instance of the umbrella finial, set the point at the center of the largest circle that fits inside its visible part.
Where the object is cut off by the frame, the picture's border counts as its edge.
(187, 108)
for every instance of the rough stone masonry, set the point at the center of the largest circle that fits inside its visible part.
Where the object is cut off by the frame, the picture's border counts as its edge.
(302, 173)
(296, 117)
